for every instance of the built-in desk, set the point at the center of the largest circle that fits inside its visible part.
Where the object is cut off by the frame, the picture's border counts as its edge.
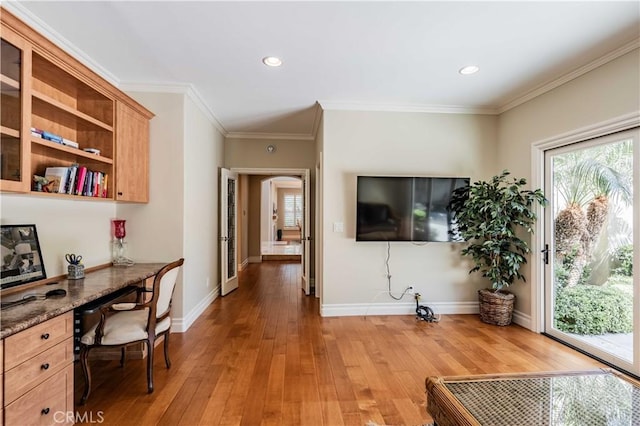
(37, 341)
(94, 285)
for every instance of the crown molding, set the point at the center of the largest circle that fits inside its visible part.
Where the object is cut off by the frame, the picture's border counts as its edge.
(20, 11)
(317, 119)
(556, 82)
(187, 89)
(271, 136)
(435, 109)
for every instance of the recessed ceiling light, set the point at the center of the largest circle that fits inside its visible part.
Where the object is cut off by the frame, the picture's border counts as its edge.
(469, 69)
(272, 61)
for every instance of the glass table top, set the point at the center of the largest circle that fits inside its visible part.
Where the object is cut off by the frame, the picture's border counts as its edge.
(590, 399)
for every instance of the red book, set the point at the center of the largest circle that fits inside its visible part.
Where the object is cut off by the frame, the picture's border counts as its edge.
(82, 173)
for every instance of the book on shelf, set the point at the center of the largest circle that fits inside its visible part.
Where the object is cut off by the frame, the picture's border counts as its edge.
(52, 137)
(82, 174)
(70, 143)
(59, 176)
(73, 174)
(105, 186)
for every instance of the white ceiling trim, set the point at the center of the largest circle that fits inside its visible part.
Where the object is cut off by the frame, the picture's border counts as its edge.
(187, 89)
(271, 136)
(550, 85)
(55, 37)
(436, 109)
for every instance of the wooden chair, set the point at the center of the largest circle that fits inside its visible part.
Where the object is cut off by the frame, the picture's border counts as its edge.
(124, 324)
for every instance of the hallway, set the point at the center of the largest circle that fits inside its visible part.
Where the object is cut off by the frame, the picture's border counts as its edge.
(263, 356)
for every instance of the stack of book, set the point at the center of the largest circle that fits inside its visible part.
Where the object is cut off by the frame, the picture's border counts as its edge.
(53, 138)
(77, 180)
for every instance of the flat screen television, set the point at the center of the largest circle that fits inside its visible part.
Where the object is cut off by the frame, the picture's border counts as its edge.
(399, 208)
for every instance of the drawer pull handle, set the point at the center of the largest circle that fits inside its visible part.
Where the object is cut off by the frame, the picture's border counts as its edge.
(45, 366)
(45, 336)
(45, 411)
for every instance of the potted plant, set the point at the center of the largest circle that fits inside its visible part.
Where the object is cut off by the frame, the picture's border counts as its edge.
(489, 216)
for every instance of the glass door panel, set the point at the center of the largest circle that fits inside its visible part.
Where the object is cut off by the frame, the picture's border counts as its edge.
(590, 283)
(13, 174)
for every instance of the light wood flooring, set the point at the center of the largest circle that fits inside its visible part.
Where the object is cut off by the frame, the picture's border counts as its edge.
(263, 356)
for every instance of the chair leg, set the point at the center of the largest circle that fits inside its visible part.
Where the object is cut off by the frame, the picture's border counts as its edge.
(84, 355)
(150, 346)
(122, 356)
(166, 350)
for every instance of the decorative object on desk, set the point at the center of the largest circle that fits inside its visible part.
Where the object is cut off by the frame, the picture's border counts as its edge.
(490, 216)
(119, 249)
(75, 267)
(21, 256)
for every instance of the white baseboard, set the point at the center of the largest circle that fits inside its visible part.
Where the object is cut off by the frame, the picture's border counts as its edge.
(180, 325)
(522, 319)
(243, 265)
(405, 308)
(255, 259)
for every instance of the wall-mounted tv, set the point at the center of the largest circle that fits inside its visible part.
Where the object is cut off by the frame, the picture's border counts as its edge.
(399, 208)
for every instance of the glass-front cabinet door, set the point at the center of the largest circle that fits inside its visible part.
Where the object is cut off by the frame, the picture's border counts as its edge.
(14, 113)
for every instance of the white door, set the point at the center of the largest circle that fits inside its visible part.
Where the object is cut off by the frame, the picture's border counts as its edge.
(305, 234)
(591, 247)
(228, 231)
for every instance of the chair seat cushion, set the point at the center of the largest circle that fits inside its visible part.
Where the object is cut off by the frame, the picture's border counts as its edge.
(124, 327)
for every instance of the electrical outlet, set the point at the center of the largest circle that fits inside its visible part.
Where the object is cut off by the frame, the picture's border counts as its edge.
(208, 282)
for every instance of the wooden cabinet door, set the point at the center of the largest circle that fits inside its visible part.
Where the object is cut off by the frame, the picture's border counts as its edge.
(15, 109)
(132, 155)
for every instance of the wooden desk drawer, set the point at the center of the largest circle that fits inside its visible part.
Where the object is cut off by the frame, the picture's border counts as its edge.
(24, 345)
(46, 404)
(30, 373)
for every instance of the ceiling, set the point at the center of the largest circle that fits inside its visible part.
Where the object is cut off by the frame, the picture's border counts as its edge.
(397, 56)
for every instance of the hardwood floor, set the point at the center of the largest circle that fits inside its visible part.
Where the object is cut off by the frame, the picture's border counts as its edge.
(263, 356)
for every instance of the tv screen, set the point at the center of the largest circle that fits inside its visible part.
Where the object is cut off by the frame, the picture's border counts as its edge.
(397, 208)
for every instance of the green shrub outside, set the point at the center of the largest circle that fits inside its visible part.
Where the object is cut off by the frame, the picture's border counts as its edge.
(593, 310)
(623, 261)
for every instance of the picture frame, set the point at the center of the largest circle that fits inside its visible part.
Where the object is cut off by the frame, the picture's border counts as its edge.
(21, 260)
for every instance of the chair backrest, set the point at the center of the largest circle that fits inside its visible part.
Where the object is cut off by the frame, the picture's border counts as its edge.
(163, 286)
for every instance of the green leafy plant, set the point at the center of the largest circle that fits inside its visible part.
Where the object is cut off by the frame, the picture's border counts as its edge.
(591, 310)
(623, 261)
(488, 215)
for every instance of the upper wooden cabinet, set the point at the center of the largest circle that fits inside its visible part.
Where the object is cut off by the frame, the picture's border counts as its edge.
(14, 108)
(46, 89)
(132, 153)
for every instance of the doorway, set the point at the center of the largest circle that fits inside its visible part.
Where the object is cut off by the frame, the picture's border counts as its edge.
(243, 225)
(281, 217)
(591, 281)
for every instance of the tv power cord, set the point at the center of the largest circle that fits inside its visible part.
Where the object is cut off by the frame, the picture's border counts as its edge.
(424, 312)
(386, 262)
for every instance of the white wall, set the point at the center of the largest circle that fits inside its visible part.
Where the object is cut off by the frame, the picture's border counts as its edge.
(607, 92)
(64, 226)
(203, 157)
(181, 218)
(353, 273)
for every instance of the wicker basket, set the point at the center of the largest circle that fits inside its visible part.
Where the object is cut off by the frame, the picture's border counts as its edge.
(496, 307)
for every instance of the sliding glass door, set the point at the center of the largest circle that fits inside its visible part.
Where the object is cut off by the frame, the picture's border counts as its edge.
(591, 247)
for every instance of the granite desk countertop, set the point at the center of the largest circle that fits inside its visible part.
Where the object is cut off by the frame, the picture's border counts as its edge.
(79, 292)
